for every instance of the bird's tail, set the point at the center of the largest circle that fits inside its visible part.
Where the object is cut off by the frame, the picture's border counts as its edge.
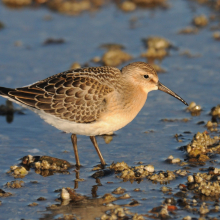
(5, 92)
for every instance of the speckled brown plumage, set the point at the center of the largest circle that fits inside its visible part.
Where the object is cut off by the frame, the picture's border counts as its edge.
(75, 95)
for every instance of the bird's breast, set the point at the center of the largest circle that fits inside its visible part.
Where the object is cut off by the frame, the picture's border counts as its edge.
(121, 110)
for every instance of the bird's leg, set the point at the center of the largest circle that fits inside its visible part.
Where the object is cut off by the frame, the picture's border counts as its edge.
(74, 141)
(77, 178)
(97, 150)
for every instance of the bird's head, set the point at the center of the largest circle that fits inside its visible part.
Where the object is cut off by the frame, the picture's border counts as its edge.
(145, 77)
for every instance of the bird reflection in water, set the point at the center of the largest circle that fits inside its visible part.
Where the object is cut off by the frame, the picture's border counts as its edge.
(8, 111)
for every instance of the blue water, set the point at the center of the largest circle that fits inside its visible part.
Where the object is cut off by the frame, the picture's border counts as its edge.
(194, 79)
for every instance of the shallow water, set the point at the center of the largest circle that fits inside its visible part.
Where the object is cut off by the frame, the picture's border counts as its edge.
(194, 79)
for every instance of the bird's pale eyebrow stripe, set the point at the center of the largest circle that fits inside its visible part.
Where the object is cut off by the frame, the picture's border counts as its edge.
(151, 70)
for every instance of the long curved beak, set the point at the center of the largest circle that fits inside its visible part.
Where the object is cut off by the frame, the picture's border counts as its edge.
(168, 91)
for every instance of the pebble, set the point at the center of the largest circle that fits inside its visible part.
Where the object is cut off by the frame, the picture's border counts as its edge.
(194, 109)
(198, 179)
(149, 168)
(190, 179)
(216, 35)
(20, 171)
(4, 194)
(137, 172)
(115, 57)
(120, 166)
(216, 171)
(201, 145)
(137, 217)
(51, 163)
(203, 209)
(17, 3)
(75, 65)
(110, 205)
(188, 30)
(212, 126)
(96, 59)
(70, 7)
(108, 197)
(119, 190)
(163, 176)
(41, 199)
(215, 112)
(15, 184)
(165, 189)
(200, 21)
(194, 201)
(27, 160)
(125, 196)
(176, 160)
(164, 212)
(33, 204)
(157, 47)
(64, 194)
(170, 157)
(157, 42)
(128, 6)
(137, 189)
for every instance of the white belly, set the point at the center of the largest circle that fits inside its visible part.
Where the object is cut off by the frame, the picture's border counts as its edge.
(91, 129)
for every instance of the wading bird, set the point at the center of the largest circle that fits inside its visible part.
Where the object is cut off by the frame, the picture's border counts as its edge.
(90, 101)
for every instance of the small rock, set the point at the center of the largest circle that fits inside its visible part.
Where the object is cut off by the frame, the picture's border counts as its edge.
(33, 204)
(137, 217)
(187, 218)
(134, 203)
(50, 41)
(15, 184)
(115, 57)
(125, 196)
(119, 190)
(96, 59)
(75, 65)
(4, 194)
(203, 209)
(17, 3)
(190, 179)
(194, 109)
(41, 199)
(188, 30)
(128, 6)
(137, 189)
(108, 198)
(176, 160)
(119, 166)
(200, 21)
(149, 168)
(65, 194)
(216, 35)
(19, 172)
(164, 213)
(198, 179)
(165, 189)
(170, 157)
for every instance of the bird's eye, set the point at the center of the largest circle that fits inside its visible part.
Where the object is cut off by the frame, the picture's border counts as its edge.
(146, 76)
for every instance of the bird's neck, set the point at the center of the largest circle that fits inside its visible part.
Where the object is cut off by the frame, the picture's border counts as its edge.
(134, 99)
(123, 106)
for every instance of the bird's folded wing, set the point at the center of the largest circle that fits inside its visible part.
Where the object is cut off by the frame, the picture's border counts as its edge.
(76, 95)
